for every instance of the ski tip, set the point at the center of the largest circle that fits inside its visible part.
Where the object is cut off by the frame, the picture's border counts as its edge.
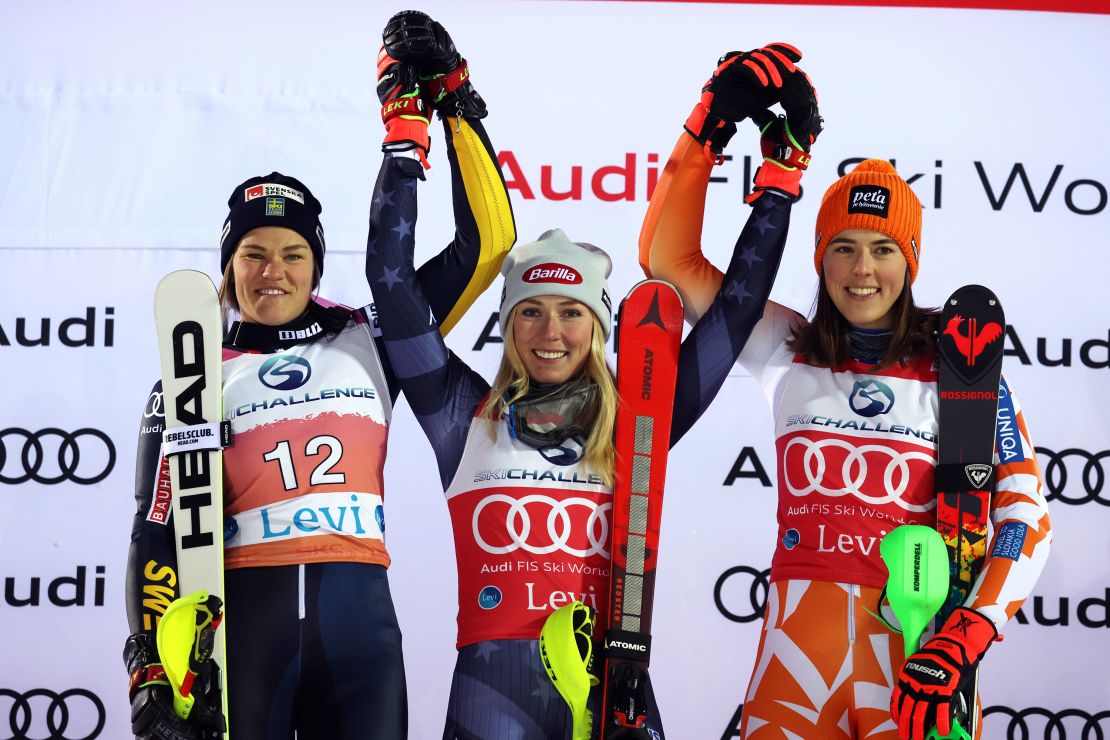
(193, 280)
(663, 286)
(193, 285)
(971, 292)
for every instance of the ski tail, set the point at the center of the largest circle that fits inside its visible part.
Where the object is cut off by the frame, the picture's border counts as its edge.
(649, 333)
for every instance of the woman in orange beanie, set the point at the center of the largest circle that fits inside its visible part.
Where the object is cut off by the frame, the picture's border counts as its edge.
(853, 391)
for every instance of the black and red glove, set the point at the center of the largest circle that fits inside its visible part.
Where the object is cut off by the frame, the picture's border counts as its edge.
(404, 112)
(152, 713)
(937, 682)
(744, 83)
(786, 141)
(415, 38)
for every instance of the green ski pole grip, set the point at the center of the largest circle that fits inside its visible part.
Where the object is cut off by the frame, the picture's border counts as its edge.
(917, 561)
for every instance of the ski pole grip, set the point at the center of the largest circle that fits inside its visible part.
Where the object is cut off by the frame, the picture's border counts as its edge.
(957, 733)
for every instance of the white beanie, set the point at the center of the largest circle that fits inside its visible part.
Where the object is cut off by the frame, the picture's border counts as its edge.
(554, 265)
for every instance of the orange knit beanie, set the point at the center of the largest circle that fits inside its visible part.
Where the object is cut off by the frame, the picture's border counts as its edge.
(872, 196)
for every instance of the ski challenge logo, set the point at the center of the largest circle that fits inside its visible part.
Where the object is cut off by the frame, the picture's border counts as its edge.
(871, 398)
(285, 372)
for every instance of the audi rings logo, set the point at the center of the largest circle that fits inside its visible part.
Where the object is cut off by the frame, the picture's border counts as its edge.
(285, 372)
(154, 408)
(42, 714)
(559, 535)
(871, 398)
(891, 474)
(53, 455)
(741, 593)
(1038, 722)
(1081, 468)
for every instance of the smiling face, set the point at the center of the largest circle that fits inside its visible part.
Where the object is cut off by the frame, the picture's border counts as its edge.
(273, 270)
(552, 335)
(865, 272)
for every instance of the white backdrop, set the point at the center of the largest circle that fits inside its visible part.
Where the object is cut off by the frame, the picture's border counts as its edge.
(123, 127)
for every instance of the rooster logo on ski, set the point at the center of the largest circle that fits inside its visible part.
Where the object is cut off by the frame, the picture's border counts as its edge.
(972, 342)
(971, 334)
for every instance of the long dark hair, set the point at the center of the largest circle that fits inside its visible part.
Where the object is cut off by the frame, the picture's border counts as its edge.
(823, 341)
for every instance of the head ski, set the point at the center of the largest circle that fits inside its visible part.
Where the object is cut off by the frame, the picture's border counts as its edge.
(189, 326)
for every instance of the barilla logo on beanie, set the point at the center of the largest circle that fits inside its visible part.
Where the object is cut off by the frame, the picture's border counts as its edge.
(873, 200)
(552, 272)
(272, 189)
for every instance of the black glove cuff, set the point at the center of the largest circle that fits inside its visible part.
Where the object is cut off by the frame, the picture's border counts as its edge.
(139, 650)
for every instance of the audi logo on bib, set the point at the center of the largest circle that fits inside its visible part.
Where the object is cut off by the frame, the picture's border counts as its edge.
(875, 473)
(42, 714)
(540, 525)
(53, 455)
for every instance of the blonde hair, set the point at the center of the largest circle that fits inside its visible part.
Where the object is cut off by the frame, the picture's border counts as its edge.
(512, 383)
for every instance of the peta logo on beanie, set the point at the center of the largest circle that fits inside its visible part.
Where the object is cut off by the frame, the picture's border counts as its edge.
(870, 199)
(551, 272)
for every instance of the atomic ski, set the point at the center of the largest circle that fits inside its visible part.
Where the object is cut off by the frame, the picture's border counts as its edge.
(649, 333)
(189, 326)
(972, 328)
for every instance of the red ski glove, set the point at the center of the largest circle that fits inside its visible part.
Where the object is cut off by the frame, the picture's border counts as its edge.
(784, 161)
(743, 84)
(403, 111)
(937, 681)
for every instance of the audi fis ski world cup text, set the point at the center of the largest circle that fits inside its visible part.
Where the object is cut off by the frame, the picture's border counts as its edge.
(1009, 186)
(538, 525)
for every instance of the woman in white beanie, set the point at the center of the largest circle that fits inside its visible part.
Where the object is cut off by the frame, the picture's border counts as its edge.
(527, 463)
(853, 387)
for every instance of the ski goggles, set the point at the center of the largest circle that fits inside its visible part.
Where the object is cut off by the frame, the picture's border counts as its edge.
(550, 417)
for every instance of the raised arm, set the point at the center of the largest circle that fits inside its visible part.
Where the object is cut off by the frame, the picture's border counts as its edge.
(726, 306)
(710, 349)
(484, 228)
(744, 85)
(442, 391)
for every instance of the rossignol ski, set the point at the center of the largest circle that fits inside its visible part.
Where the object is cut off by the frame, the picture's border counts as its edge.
(972, 330)
(187, 316)
(649, 333)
